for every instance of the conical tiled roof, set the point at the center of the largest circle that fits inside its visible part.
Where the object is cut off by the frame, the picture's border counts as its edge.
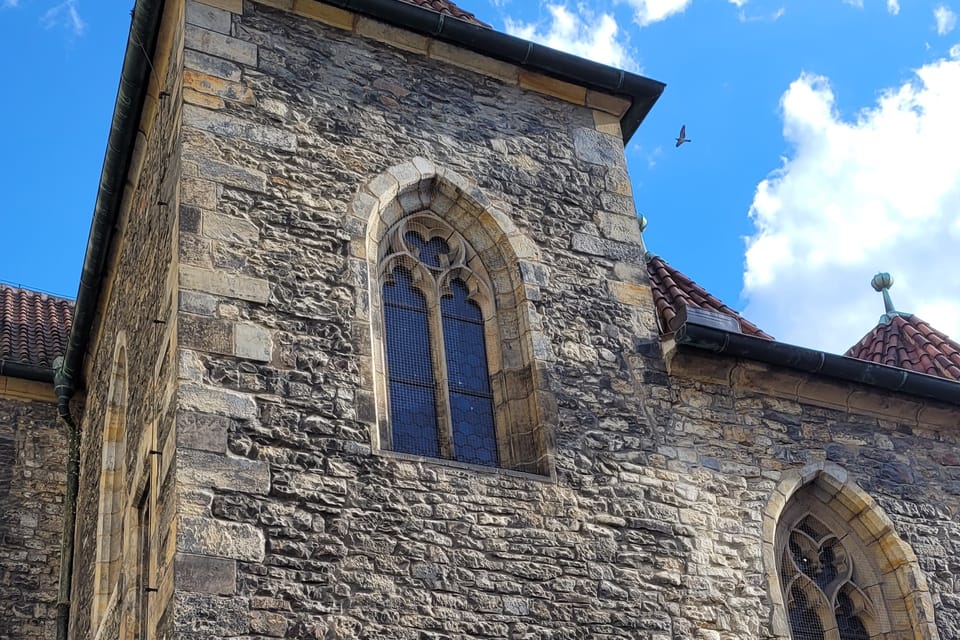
(448, 8)
(33, 326)
(672, 290)
(903, 340)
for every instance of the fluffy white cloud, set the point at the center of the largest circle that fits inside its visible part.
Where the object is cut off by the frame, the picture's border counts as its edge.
(650, 11)
(64, 14)
(946, 19)
(880, 192)
(585, 34)
(893, 6)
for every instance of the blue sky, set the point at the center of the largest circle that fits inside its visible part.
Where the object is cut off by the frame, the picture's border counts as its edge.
(825, 144)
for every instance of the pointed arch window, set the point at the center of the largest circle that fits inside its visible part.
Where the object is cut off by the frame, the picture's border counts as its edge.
(819, 580)
(438, 326)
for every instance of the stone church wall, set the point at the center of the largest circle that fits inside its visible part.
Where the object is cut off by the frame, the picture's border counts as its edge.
(132, 342)
(32, 463)
(294, 524)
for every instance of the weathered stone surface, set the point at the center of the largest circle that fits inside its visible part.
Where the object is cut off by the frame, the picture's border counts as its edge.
(208, 17)
(205, 574)
(216, 122)
(211, 65)
(220, 45)
(206, 536)
(210, 470)
(202, 431)
(224, 284)
(32, 479)
(218, 401)
(253, 342)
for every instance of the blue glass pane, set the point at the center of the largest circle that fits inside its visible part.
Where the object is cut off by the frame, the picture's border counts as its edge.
(473, 436)
(402, 292)
(413, 407)
(471, 403)
(430, 252)
(413, 417)
(458, 306)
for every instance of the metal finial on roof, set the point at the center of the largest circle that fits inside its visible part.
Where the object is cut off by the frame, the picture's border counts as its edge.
(642, 219)
(882, 283)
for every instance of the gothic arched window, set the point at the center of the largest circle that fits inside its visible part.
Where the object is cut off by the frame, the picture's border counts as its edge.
(819, 581)
(438, 322)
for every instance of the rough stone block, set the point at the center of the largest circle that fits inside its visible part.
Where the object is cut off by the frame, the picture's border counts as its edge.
(226, 125)
(202, 431)
(597, 148)
(217, 226)
(326, 14)
(234, 6)
(204, 615)
(399, 38)
(224, 284)
(253, 342)
(268, 623)
(219, 401)
(207, 17)
(552, 87)
(619, 227)
(211, 65)
(218, 87)
(199, 193)
(460, 57)
(204, 333)
(204, 574)
(206, 536)
(198, 303)
(229, 174)
(220, 45)
(204, 469)
(191, 96)
(615, 105)
(597, 246)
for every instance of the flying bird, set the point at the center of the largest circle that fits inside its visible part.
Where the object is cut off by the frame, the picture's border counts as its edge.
(683, 136)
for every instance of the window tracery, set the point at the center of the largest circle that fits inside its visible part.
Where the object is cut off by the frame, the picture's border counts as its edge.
(818, 580)
(437, 308)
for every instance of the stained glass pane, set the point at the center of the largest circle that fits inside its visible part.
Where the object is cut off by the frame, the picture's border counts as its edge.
(430, 252)
(471, 403)
(413, 407)
(804, 622)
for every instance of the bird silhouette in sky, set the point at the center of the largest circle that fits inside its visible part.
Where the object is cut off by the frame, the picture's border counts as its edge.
(683, 136)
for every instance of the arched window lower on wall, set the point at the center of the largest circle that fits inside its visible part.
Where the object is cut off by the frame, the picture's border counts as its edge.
(438, 321)
(838, 570)
(112, 487)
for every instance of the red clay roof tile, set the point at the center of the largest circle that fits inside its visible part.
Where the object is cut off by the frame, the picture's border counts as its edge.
(448, 8)
(672, 289)
(907, 342)
(33, 326)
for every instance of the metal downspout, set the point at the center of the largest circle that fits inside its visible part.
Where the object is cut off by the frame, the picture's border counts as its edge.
(64, 391)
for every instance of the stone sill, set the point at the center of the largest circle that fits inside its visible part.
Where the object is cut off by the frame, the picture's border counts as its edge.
(462, 466)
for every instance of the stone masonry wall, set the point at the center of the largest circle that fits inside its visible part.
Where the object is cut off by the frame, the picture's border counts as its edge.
(291, 524)
(32, 475)
(138, 301)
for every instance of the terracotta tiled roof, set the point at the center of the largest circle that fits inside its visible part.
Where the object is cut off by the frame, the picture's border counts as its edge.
(906, 341)
(33, 326)
(448, 8)
(672, 289)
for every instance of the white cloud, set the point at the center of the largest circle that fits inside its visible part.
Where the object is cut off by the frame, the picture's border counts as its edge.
(878, 192)
(587, 35)
(650, 11)
(10, 4)
(893, 6)
(946, 19)
(64, 14)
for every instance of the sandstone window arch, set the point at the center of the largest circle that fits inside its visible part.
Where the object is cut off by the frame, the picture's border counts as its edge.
(836, 568)
(109, 543)
(427, 230)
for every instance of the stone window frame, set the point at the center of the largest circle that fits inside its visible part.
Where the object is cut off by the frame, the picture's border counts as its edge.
(111, 507)
(888, 573)
(525, 407)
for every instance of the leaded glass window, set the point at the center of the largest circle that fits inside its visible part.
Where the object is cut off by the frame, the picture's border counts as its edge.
(436, 340)
(819, 583)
